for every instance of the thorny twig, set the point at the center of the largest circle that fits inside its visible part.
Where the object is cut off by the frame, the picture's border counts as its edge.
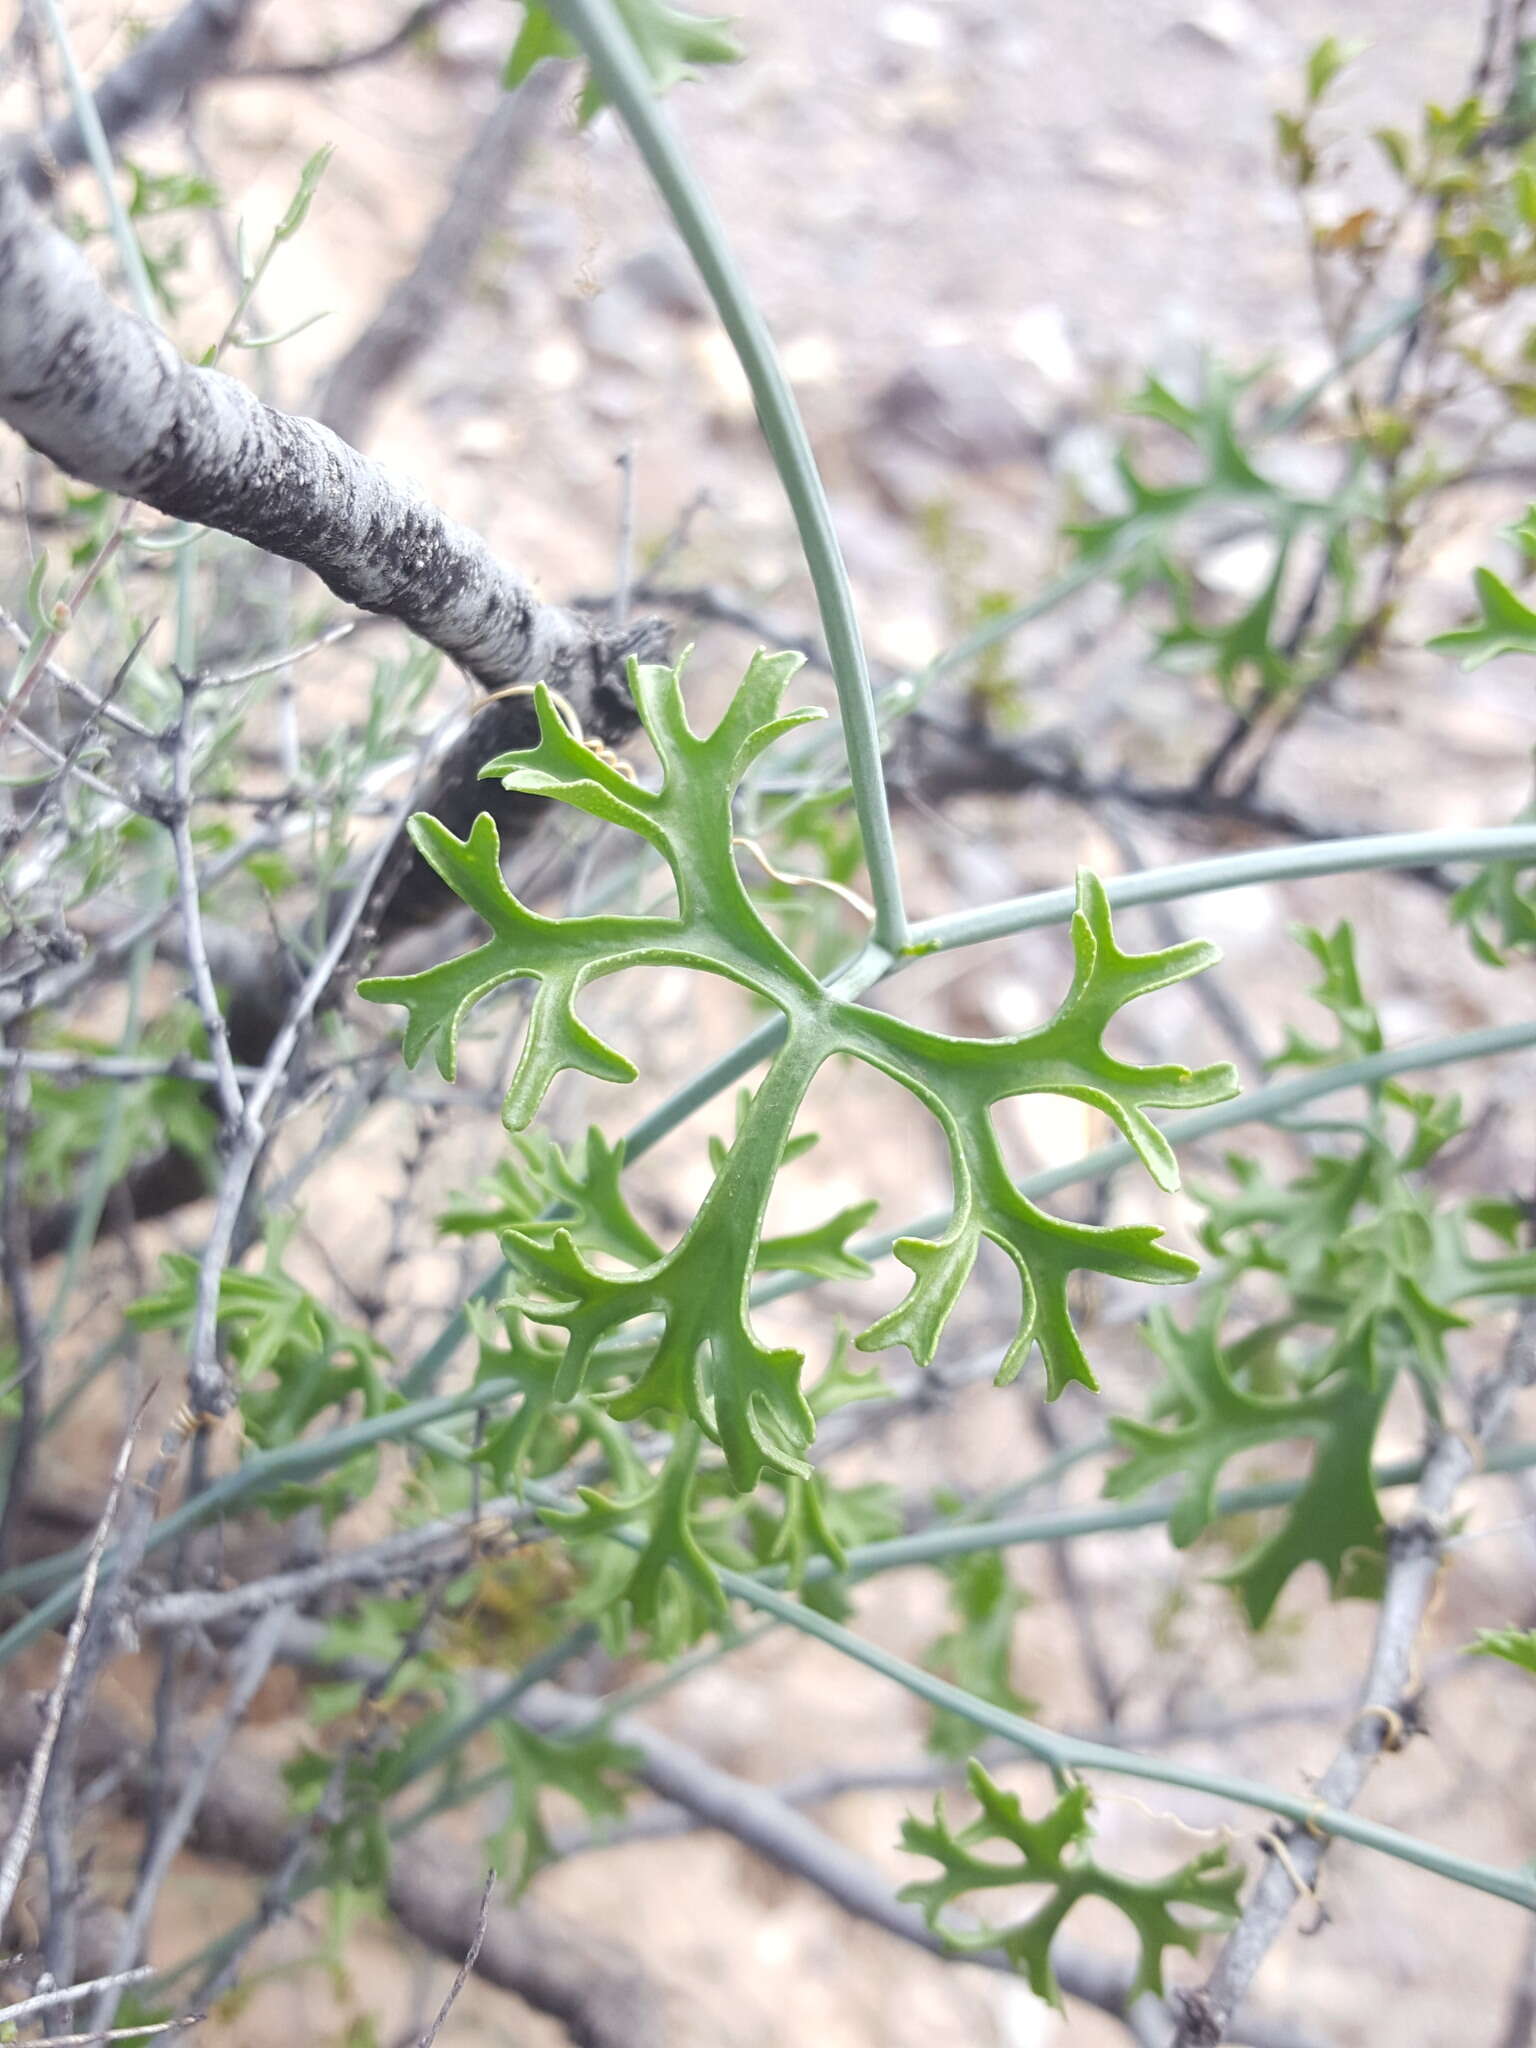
(461, 1976)
(14, 1859)
(15, 1267)
(250, 1670)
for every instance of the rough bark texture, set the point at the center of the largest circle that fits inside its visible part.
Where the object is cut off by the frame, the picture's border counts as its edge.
(194, 45)
(108, 399)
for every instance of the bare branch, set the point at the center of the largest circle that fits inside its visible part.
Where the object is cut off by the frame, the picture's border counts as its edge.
(251, 1668)
(415, 23)
(1388, 1698)
(67, 1994)
(1520, 2023)
(141, 2033)
(15, 1268)
(226, 1084)
(403, 1556)
(14, 1860)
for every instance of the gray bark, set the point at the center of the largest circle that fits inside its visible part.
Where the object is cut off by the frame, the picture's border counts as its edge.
(107, 398)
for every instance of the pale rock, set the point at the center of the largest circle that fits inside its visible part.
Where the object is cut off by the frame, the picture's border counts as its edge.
(1011, 1004)
(1239, 568)
(953, 403)
(726, 388)
(911, 27)
(1233, 27)
(484, 439)
(616, 330)
(470, 39)
(812, 359)
(1118, 161)
(614, 400)
(1039, 336)
(1086, 456)
(557, 364)
(664, 280)
(1233, 917)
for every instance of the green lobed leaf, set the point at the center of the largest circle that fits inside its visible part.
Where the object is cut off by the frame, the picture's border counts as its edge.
(706, 1365)
(977, 1652)
(1052, 1853)
(589, 1768)
(1208, 1418)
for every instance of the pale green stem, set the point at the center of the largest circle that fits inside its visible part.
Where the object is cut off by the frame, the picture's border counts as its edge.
(1484, 845)
(1070, 1753)
(1101, 1518)
(617, 67)
(98, 149)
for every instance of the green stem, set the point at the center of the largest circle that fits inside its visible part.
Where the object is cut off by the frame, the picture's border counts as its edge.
(617, 67)
(959, 1539)
(83, 106)
(1069, 1753)
(1025, 913)
(1231, 871)
(858, 974)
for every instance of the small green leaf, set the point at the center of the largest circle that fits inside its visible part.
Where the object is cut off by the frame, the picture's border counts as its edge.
(589, 1768)
(1051, 1854)
(670, 43)
(303, 198)
(1514, 1645)
(977, 1653)
(1507, 626)
(1324, 63)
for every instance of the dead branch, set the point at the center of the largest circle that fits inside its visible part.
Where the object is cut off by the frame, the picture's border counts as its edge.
(416, 23)
(45, 1748)
(461, 1975)
(592, 1985)
(195, 1773)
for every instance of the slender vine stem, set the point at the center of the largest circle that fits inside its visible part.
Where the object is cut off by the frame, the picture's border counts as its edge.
(1071, 1753)
(1102, 1518)
(1230, 871)
(617, 67)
